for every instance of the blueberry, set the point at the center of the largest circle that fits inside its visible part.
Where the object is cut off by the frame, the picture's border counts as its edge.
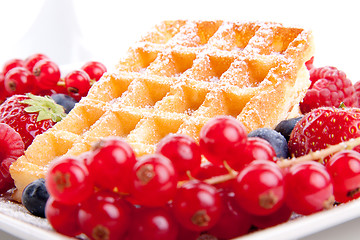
(34, 197)
(277, 141)
(285, 127)
(64, 100)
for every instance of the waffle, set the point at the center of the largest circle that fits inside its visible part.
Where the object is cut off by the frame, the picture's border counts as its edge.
(177, 77)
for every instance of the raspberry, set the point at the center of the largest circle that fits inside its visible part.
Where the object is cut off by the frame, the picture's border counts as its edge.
(310, 63)
(357, 93)
(327, 72)
(11, 147)
(330, 87)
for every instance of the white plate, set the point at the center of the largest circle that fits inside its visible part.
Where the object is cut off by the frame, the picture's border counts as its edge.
(17, 223)
(316, 226)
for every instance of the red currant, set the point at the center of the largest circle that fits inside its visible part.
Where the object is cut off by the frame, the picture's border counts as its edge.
(233, 222)
(47, 74)
(104, 216)
(69, 181)
(153, 223)
(30, 61)
(3, 93)
(111, 164)
(309, 188)
(222, 139)
(94, 69)
(197, 205)
(188, 234)
(183, 151)
(19, 81)
(77, 83)
(208, 170)
(259, 188)
(282, 215)
(63, 217)
(344, 169)
(154, 180)
(256, 148)
(12, 63)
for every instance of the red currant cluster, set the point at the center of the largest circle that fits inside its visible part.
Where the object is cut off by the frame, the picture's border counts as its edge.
(39, 75)
(108, 193)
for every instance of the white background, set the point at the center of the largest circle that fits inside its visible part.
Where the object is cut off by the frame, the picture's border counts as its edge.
(75, 31)
(72, 32)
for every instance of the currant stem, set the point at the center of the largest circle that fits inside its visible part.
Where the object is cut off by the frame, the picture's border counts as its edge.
(283, 163)
(220, 178)
(61, 82)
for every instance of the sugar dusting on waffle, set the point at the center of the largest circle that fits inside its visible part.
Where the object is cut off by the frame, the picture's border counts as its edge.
(177, 77)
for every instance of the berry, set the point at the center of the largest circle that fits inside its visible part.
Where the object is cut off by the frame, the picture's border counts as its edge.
(187, 234)
(11, 145)
(260, 188)
(153, 223)
(256, 148)
(310, 63)
(197, 205)
(208, 170)
(30, 61)
(222, 139)
(323, 127)
(64, 100)
(104, 216)
(183, 152)
(3, 93)
(62, 217)
(12, 63)
(233, 221)
(19, 81)
(154, 180)
(69, 181)
(357, 93)
(327, 72)
(47, 74)
(111, 164)
(34, 197)
(77, 83)
(309, 188)
(94, 69)
(30, 115)
(6, 181)
(277, 141)
(280, 216)
(11, 148)
(344, 169)
(285, 127)
(329, 88)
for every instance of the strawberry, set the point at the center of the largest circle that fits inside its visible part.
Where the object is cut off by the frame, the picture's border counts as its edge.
(30, 115)
(322, 127)
(11, 147)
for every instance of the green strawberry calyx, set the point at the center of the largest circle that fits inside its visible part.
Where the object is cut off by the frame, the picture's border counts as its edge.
(46, 108)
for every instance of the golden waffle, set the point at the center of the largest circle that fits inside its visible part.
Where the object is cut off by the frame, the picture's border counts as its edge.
(177, 77)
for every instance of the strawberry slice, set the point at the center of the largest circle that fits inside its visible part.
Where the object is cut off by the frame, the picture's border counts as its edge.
(322, 127)
(11, 147)
(30, 115)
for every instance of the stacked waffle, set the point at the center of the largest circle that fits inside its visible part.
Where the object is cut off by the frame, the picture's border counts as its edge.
(177, 77)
